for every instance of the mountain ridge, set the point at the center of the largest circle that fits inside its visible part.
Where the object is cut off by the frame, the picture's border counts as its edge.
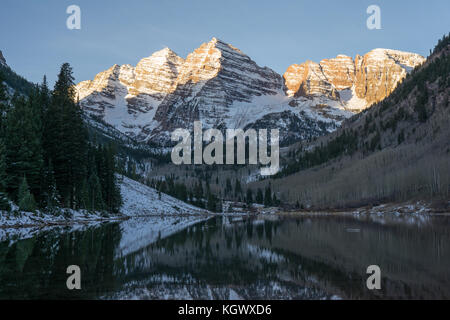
(370, 78)
(2, 59)
(397, 150)
(221, 86)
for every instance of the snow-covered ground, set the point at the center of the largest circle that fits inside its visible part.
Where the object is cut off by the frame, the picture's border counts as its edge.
(412, 213)
(169, 215)
(161, 215)
(17, 219)
(138, 200)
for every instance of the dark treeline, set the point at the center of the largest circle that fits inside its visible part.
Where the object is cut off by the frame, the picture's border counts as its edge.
(15, 81)
(46, 158)
(202, 194)
(197, 195)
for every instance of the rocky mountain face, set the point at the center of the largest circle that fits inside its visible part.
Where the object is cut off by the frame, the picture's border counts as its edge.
(393, 151)
(2, 59)
(356, 83)
(222, 87)
(14, 82)
(214, 82)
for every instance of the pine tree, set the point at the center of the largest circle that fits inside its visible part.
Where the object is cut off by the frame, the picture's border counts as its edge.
(4, 203)
(48, 128)
(268, 197)
(26, 199)
(237, 188)
(275, 201)
(85, 202)
(198, 194)
(131, 170)
(23, 146)
(95, 194)
(211, 204)
(3, 96)
(52, 199)
(259, 196)
(228, 187)
(3, 103)
(106, 167)
(65, 138)
(44, 98)
(249, 197)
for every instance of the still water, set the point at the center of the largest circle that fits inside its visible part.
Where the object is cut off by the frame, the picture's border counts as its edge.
(323, 257)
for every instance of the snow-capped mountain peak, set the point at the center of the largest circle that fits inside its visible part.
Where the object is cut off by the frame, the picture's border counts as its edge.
(356, 83)
(221, 86)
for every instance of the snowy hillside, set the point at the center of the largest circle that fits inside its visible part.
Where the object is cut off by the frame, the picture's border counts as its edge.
(161, 217)
(138, 199)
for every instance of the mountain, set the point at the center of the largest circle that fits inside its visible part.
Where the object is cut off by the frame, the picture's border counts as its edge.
(355, 83)
(2, 59)
(397, 150)
(221, 86)
(14, 82)
(216, 84)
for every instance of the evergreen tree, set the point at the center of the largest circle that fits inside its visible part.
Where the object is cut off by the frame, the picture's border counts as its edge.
(26, 199)
(237, 188)
(228, 187)
(259, 196)
(198, 194)
(211, 204)
(275, 200)
(249, 197)
(3, 96)
(95, 194)
(65, 138)
(85, 202)
(4, 203)
(48, 144)
(3, 104)
(111, 191)
(52, 199)
(23, 146)
(44, 97)
(268, 197)
(131, 170)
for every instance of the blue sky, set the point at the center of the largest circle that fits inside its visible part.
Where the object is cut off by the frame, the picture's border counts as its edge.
(35, 41)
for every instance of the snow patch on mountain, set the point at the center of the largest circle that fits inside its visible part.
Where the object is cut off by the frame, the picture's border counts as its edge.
(141, 200)
(222, 87)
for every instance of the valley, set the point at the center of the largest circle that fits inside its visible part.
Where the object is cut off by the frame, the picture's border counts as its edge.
(363, 176)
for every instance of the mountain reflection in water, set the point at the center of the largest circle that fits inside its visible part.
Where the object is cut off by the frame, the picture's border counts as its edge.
(279, 258)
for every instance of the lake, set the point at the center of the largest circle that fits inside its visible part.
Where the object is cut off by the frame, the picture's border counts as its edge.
(304, 257)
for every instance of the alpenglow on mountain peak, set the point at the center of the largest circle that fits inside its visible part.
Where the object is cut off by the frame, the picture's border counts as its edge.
(221, 86)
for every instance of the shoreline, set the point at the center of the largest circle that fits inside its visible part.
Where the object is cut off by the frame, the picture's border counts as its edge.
(40, 220)
(402, 208)
(90, 220)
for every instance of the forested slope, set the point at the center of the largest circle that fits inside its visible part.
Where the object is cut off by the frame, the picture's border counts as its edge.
(395, 151)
